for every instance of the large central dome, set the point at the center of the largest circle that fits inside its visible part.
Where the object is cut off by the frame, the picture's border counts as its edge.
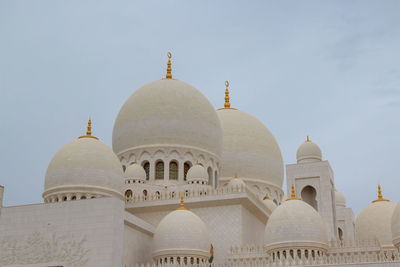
(167, 112)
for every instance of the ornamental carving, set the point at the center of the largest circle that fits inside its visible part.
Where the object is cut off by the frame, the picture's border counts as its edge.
(40, 248)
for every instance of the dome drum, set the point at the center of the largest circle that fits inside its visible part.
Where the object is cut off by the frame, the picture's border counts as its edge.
(311, 245)
(64, 193)
(179, 255)
(174, 162)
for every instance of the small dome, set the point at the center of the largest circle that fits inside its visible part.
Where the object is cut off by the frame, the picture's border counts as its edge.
(85, 165)
(197, 173)
(375, 222)
(135, 171)
(249, 148)
(179, 234)
(396, 226)
(236, 183)
(295, 224)
(167, 112)
(340, 200)
(269, 203)
(308, 152)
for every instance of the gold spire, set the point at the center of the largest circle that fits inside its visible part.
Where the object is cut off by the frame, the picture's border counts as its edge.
(227, 104)
(236, 176)
(197, 162)
(89, 131)
(182, 207)
(169, 69)
(308, 138)
(293, 196)
(135, 162)
(380, 198)
(266, 196)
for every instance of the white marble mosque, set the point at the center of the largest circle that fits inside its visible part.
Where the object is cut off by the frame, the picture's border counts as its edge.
(187, 185)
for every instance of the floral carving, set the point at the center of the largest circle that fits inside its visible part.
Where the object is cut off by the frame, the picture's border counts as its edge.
(41, 248)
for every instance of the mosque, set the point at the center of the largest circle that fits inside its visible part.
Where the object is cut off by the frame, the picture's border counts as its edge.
(187, 185)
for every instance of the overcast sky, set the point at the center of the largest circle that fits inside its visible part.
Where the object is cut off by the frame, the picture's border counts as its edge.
(328, 69)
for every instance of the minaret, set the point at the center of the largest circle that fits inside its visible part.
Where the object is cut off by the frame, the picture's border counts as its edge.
(312, 179)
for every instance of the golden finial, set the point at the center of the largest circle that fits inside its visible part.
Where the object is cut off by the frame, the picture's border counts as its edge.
(197, 162)
(169, 69)
(308, 138)
(293, 196)
(182, 207)
(266, 196)
(236, 176)
(227, 104)
(380, 198)
(135, 162)
(89, 131)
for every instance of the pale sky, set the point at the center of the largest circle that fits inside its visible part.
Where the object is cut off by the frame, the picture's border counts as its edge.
(328, 69)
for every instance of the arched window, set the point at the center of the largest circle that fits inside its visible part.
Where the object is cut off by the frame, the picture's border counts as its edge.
(83, 197)
(308, 194)
(210, 176)
(186, 167)
(145, 193)
(128, 193)
(73, 198)
(146, 167)
(124, 168)
(340, 232)
(173, 170)
(215, 179)
(159, 170)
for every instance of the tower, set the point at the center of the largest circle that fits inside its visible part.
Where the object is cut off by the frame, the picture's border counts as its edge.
(314, 183)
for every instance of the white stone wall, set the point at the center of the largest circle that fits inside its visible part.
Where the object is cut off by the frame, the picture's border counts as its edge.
(74, 233)
(137, 246)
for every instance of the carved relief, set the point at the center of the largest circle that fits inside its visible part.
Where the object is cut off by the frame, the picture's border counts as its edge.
(40, 248)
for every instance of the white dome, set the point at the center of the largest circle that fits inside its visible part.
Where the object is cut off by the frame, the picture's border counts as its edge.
(375, 221)
(179, 234)
(135, 171)
(84, 165)
(249, 149)
(396, 226)
(340, 200)
(236, 183)
(295, 224)
(167, 112)
(308, 152)
(197, 173)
